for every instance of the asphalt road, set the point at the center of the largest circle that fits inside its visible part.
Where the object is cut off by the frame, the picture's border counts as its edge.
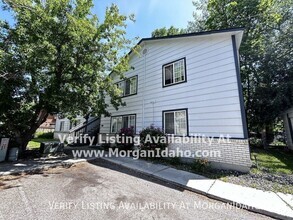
(104, 191)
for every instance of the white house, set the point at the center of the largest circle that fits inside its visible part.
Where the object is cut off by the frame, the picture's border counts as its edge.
(80, 125)
(64, 125)
(288, 125)
(190, 85)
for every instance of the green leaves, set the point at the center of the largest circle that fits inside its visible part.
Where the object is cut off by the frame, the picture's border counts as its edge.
(167, 31)
(61, 56)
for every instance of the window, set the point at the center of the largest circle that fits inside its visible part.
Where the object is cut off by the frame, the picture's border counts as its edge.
(175, 122)
(174, 73)
(128, 86)
(124, 121)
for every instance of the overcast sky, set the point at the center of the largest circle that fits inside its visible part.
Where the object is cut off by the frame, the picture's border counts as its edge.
(149, 14)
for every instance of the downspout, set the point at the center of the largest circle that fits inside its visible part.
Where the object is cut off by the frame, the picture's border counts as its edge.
(290, 128)
(240, 92)
(153, 103)
(143, 88)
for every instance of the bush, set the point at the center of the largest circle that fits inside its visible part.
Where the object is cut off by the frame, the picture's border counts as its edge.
(106, 146)
(44, 135)
(148, 137)
(175, 160)
(126, 132)
(255, 142)
(200, 165)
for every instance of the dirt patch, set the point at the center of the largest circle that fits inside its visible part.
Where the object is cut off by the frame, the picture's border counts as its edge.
(9, 181)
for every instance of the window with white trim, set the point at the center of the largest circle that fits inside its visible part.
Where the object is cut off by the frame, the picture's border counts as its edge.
(128, 86)
(175, 122)
(123, 121)
(174, 72)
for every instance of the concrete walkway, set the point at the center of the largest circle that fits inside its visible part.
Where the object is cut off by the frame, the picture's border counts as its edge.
(276, 205)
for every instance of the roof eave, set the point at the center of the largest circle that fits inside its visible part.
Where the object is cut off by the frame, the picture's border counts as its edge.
(202, 33)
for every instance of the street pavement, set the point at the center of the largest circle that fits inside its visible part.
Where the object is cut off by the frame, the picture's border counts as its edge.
(102, 190)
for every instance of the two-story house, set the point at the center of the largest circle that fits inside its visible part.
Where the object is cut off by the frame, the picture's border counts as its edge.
(188, 85)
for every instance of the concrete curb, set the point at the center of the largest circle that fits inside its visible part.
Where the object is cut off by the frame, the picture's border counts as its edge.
(45, 167)
(208, 194)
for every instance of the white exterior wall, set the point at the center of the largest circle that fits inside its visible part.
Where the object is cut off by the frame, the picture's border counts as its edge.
(289, 114)
(210, 94)
(66, 125)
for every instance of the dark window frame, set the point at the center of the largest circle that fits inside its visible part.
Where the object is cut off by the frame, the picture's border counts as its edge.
(185, 72)
(122, 122)
(124, 80)
(174, 110)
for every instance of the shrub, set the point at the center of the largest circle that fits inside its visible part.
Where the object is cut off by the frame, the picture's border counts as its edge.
(44, 135)
(255, 142)
(126, 132)
(200, 165)
(148, 137)
(175, 160)
(106, 146)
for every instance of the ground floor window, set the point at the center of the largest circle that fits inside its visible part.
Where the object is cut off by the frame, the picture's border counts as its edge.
(175, 122)
(122, 121)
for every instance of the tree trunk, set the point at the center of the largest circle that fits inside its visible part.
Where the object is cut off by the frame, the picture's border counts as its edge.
(264, 137)
(35, 123)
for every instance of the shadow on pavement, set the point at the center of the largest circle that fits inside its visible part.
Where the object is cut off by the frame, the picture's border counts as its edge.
(118, 168)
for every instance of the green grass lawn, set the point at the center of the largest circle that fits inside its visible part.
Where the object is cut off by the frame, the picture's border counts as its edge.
(272, 161)
(35, 143)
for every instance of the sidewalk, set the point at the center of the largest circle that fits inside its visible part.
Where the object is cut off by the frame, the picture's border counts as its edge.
(276, 205)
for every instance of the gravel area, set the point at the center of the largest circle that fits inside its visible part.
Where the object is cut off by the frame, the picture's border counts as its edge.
(263, 181)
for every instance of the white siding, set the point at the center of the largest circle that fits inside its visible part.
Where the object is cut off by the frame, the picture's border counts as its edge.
(288, 114)
(210, 93)
(66, 123)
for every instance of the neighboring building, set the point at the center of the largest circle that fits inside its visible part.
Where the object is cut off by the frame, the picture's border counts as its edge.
(64, 125)
(48, 125)
(75, 127)
(288, 125)
(187, 85)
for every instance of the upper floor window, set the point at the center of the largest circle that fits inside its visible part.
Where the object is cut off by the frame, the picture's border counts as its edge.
(128, 86)
(174, 72)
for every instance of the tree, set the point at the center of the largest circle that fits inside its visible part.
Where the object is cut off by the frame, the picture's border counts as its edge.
(200, 16)
(57, 58)
(265, 52)
(161, 32)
